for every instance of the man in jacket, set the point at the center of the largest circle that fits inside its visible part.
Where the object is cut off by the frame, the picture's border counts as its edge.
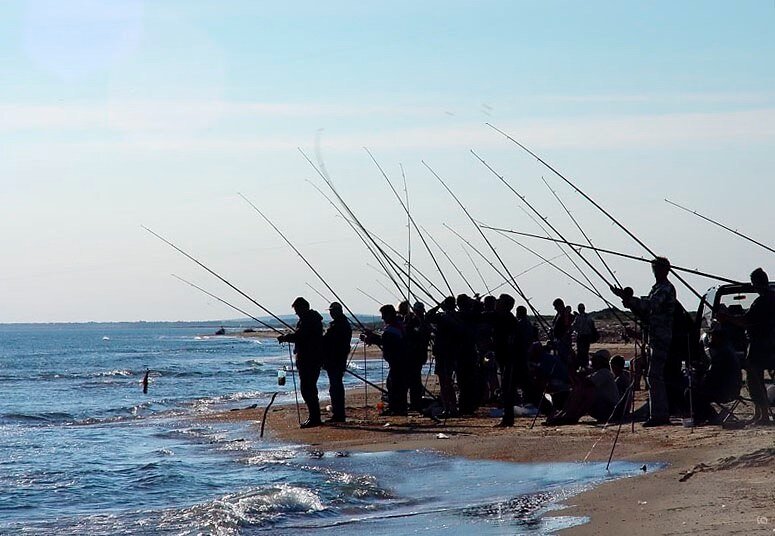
(308, 348)
(336, 342)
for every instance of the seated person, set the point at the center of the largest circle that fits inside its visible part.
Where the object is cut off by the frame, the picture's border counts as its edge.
(547, 374)
(723, 379)
(594, 394)
(622, 376)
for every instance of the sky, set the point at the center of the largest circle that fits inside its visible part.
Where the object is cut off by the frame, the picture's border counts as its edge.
(122, 114)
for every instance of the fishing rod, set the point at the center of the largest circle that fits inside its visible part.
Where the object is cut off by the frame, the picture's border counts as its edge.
(484, 283)
(514, 284)
(368, 246)
(316, 291)
(578, 226)
(714, 222)
(408, 237)
(411, 219)
(301, 256)
(267, 311)
(547, 261)
(355, 220)
(394, 295)
(460, 273)
(616, 253)
(375, 300)
(510, 279)
(269, 326)
(361, 231)
(530, 269)
(601, 209)
(546, 220)
(523, 198)
(428, 280)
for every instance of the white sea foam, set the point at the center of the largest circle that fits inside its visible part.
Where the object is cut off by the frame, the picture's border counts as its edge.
(225, 515)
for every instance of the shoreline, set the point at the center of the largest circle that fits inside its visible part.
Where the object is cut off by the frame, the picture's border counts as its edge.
(715, 481)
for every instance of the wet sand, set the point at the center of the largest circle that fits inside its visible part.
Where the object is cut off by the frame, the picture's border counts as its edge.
(716, 482)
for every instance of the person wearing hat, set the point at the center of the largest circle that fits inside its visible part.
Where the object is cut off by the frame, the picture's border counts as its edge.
(657, 311)
(336, 343)
(759, 323)
(307, 339)
(392, 340)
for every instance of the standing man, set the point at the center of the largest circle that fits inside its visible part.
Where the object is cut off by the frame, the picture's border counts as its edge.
(584, 327)
(447, 339)
(418, 336)
(307, 339)
(336, 342)
(561, 332)
(504, 341)
(393, 344)
(656, 311)
(759, 323)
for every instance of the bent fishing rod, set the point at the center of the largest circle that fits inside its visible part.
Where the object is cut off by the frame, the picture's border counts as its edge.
(514, 284)
(611, 252)
(303, 258)
(714, 222)
(190, 257)
(601, 209)
(411, 219)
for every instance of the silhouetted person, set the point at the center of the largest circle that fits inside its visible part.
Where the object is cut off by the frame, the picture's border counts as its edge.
(308, 348)
(446, 350)
(392, 340)
(526, 335)
(722, 380)
(561, 330)
(584, 327)
(418, 335)
(622, 377)
(656, 310)
(759, 323)
(504, 337)
(595, 394)
(336, 341)
(467, 369)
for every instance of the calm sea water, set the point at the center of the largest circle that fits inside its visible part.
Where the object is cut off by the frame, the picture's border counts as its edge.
(84, 451)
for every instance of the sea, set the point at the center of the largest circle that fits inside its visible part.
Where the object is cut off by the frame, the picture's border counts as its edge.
(84, 451)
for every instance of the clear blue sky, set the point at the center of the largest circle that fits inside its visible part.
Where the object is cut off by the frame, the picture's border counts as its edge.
(117, 114)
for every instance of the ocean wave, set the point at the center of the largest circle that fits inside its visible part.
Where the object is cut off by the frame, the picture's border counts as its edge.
(47, 417)
(255, 507)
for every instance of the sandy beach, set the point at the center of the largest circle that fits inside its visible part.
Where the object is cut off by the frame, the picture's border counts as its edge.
(715, 481)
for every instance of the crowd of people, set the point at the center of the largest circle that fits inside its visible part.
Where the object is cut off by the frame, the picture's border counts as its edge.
(484, 350)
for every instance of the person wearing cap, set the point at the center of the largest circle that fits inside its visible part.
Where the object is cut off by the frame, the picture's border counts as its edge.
(307, 339)
(392, 340)
(418, 336)
(759, 323)
(336, 343)
(657, 311)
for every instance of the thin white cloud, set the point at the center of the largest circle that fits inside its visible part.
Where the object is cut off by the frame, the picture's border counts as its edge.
(179, 127)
